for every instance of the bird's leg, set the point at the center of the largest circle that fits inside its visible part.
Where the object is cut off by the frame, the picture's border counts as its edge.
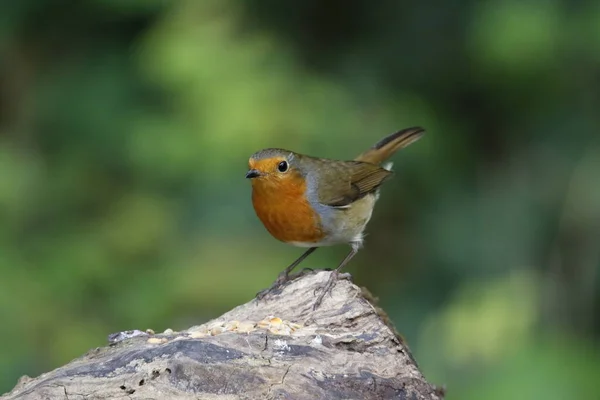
(334, 276)
(284, 276)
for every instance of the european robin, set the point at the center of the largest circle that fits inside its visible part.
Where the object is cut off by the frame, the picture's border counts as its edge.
(314, 202)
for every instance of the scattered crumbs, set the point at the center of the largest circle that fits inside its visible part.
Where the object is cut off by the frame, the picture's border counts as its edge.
(217, 330)
(246, 326)
(155, 340)
(278, 326)
(294, 326)
(198, 334)
(150, 331)
(231, 326)
(264, 324)
(271, 323)
(168, 331)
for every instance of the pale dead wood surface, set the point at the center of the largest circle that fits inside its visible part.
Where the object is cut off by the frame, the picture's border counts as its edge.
(344, 350)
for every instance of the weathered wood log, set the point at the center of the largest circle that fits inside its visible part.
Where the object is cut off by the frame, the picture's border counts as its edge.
(275, 348)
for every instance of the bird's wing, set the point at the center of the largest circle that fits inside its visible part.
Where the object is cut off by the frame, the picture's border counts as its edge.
(344, 182)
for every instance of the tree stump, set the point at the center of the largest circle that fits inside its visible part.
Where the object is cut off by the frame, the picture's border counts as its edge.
(275, 348)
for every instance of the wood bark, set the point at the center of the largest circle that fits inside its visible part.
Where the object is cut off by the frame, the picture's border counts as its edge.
(275, 348)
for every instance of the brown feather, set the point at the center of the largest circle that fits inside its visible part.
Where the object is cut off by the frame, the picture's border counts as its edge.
(281, 205)
(344, 182)
(347, 181)
(387, 146)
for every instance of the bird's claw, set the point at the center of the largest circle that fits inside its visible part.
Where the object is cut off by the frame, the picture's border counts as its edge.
(326, 289)
(263, 293)
(281, 279)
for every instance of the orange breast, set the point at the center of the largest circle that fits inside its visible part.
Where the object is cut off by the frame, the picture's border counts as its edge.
(282, 207)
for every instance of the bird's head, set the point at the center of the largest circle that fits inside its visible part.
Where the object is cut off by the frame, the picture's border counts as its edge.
(273, 167)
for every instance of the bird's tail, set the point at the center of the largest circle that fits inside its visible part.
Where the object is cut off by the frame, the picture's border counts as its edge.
(387, 146)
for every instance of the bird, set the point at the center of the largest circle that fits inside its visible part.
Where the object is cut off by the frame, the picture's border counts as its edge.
(315, 202)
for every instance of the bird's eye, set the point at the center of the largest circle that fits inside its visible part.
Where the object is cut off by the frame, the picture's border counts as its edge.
(282, 166)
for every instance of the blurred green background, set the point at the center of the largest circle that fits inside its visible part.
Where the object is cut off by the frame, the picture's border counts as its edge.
(125, 130)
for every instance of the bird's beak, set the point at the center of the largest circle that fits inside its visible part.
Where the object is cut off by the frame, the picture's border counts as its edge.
(252, 174)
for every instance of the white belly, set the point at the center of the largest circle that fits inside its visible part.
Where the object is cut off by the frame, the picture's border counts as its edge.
(343, 225)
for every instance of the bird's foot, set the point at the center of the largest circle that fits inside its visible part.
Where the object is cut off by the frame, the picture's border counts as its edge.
(303, 272)
(281, 280)
(333, 277)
